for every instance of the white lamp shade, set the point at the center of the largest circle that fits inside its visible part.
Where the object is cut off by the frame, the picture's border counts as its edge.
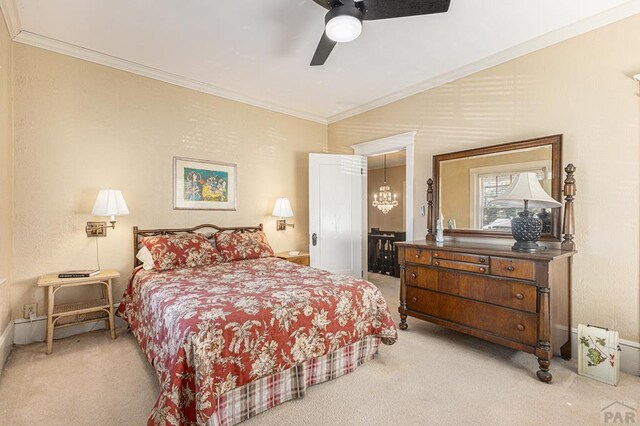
(110, 202)
(282, 208)
(525, 186)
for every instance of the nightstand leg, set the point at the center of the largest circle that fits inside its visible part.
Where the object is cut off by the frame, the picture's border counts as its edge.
(103, 290)
(112, 325)
(50, 295)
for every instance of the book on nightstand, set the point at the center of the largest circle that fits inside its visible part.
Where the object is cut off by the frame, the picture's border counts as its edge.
(82, 273)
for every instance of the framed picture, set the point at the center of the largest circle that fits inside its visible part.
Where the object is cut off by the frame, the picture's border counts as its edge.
(203, 185)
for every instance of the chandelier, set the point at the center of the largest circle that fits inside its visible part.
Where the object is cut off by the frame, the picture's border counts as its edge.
(383, 200)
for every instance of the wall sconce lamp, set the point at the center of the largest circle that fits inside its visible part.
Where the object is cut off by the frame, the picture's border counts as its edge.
(109, 202)
(282, 210)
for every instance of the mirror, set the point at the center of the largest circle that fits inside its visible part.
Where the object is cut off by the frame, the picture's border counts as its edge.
(467, 181)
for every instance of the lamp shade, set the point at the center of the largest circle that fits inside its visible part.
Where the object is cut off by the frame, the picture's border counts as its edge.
(110, 202)
(282, 208)
(525, 186)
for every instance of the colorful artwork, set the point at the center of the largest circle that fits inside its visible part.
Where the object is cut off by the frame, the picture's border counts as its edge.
(204, 185)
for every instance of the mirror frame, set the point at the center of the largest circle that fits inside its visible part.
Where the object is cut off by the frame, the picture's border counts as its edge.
(554, 141)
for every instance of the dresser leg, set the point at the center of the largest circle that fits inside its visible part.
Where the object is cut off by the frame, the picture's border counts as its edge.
(403, 322)
(543, 374)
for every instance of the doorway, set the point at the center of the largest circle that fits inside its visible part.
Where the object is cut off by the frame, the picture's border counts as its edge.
(386, 205)
(401, 145)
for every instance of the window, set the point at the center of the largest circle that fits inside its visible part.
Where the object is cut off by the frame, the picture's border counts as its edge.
(491, 186)
(488, 183)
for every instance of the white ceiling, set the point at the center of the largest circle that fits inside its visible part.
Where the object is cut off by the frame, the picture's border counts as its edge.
(258, 51)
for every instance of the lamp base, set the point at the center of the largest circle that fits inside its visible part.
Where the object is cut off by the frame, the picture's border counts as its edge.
(526, 229)
(96, 229)
(281, 225)
(526, 246)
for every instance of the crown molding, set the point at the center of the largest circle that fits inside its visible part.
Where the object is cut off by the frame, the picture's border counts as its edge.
(10, 12)
(11, 17)
(156, 74)
(588, 24)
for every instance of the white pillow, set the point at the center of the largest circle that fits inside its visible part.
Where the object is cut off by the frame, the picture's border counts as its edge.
(144, 256)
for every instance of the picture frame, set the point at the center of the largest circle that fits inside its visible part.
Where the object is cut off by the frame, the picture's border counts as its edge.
(204, 185)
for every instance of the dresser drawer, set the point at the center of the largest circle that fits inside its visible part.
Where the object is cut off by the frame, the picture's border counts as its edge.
(507, 323)
(510, 294)
(460, 257)
(513, 268)
(461, 266)
(420, 276)
(416, 255)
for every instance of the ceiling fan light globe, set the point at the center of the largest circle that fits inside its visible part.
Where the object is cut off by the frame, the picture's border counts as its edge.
(343, 28)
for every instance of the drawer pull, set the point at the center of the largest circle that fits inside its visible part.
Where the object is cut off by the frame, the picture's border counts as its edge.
(436, 254)
(413, 275)
(414, 300)
(417, 255)
(520, 327)
(483, 269)
(482, 260)
(510, 268)
(519, 296)
(436, 263)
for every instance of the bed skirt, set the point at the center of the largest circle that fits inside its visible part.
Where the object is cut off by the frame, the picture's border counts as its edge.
(258, 396)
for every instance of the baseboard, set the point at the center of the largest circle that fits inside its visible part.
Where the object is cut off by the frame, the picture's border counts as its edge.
(6, 343)
(28, 331)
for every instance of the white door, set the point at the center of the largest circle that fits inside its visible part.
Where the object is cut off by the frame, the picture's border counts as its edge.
(336, 225)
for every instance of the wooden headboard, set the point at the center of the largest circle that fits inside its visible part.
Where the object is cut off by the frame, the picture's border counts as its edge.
(138, 234)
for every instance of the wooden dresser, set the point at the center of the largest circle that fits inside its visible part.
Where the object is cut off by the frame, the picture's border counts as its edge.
(518, 300)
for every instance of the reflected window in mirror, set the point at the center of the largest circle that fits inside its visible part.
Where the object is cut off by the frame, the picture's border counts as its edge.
(487, 186)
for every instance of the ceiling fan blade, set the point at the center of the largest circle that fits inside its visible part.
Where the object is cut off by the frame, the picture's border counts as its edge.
(323, 50)
(330, 4)
(386, 9)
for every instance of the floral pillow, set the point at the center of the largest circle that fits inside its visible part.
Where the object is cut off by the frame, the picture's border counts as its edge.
(239, 246)
(179, 251)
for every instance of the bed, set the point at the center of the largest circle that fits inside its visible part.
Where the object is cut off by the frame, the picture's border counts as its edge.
(231, 339)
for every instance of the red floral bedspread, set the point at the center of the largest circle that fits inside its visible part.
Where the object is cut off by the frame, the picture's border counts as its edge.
(211, 329)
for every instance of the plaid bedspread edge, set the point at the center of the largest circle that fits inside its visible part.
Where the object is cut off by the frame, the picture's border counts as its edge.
(256, 397)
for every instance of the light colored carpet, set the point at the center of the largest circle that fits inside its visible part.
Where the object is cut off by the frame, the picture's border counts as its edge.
(431, 376)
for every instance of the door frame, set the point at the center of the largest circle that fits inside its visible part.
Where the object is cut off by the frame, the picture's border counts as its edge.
(402, 141)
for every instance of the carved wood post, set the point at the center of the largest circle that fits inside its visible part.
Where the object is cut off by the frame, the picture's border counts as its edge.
(568, 224)
(430, 235)
(403, 290)
(543, 345)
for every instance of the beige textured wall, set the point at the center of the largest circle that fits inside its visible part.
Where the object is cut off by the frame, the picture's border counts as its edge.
(81, 126)
(455, 185)
(394, 220)
(6, 174)
(582, 88)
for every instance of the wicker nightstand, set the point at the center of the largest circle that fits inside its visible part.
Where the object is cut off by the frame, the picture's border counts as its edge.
(69, 314)
(301, 259)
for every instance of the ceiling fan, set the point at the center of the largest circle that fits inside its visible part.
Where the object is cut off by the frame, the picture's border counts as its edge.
(343, 22)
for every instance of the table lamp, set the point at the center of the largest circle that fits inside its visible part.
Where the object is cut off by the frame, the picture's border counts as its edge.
(282, 210)
(526, 228)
